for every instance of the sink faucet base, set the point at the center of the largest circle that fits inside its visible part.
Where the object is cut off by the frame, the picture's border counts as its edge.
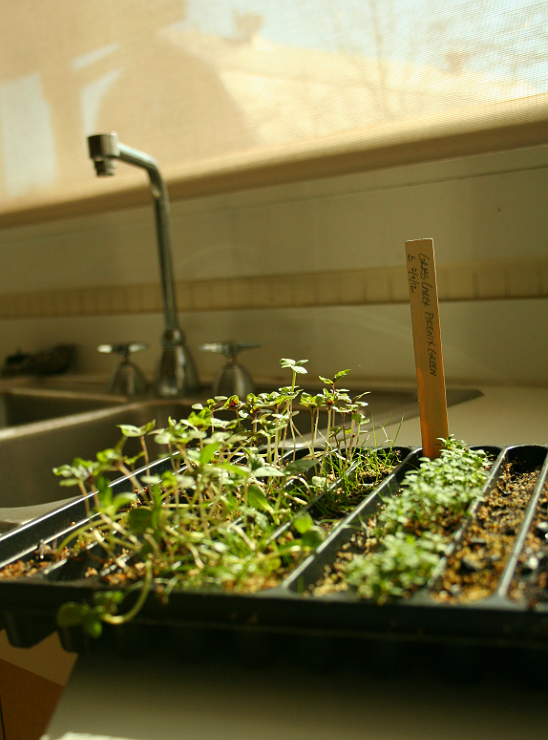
(177, 373)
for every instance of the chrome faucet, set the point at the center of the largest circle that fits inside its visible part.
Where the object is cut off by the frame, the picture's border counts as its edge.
(177, 374)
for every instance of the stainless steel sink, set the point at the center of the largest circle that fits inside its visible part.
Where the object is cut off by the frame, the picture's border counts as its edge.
(29, 452)
(20, 406)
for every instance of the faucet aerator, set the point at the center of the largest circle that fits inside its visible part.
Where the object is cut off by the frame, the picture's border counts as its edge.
(104, 167)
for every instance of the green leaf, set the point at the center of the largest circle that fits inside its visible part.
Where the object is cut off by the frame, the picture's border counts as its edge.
(79, 462)
(303, 522)
(341, 374)
(151, 480)
(298, 466)
(129, 430)
(102, 483)
(108, 598)
(241, 470)
(186, 481)
(257, 499)
(168, 479)
(71, 614)
(201, 420)
(163, 438)
(146, 549)
(320, 482)
(130, 461)
(206, 455)
(92, 624)
(274, 564)
(123, 499)
(267, 471)
(232, 402)
(64, 470)
(328, 381)
(139, 519)
(313, 537)
(296, 366)
(106, 457)
(104, 492)
(158, 497)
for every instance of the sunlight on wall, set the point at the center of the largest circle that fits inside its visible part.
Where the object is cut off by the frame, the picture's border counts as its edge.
(28, 141)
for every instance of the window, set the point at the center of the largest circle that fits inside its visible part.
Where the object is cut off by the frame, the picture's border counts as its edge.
(234, 93)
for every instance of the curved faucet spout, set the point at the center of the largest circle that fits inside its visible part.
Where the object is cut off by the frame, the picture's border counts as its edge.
(177, 374)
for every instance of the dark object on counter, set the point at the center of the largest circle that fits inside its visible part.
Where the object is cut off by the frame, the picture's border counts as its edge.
(52, 361)
(15, 365)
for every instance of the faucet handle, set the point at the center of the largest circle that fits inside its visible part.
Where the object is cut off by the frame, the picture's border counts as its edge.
(124, 349)
(232, 379)
(127, 379)
(230, 349)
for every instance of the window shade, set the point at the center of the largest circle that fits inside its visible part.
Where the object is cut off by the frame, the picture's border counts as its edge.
(230, 94)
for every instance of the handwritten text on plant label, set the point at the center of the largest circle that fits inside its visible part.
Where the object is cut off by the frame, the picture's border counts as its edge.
(419, 276)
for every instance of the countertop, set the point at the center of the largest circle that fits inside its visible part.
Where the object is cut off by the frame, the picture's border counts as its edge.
(501, 416)
(167, 700)
(163, 698)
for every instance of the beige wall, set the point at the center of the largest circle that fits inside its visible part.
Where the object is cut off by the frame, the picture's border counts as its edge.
(485, 213)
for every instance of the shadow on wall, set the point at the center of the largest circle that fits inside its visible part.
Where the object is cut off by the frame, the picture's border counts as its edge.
(103, 66)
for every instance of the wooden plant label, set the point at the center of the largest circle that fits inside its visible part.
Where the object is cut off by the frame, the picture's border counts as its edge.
(423, 295)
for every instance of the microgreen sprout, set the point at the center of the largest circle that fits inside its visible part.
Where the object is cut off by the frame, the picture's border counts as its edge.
(411, 532)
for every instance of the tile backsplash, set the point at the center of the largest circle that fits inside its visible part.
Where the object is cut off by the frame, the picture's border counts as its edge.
(314, 269)
(508, 279)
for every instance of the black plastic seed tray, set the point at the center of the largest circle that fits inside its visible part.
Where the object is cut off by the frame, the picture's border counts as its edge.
(29, 604)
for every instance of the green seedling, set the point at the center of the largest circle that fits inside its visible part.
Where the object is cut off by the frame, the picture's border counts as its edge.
(412, 531)
(228, 514)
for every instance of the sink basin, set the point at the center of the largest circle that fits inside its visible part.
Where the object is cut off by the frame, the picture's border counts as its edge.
(28, 405)
(30, 451)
